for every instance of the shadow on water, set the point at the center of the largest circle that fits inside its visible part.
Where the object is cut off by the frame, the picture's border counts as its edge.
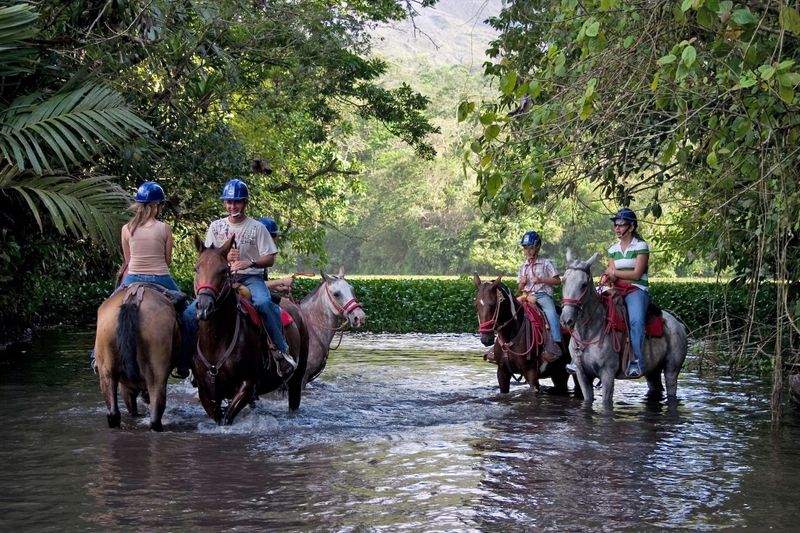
(401, 432)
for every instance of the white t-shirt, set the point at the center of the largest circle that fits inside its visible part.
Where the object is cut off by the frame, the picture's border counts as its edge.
(252, 239)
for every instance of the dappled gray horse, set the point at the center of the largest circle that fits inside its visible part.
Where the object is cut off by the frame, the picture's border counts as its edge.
(326, 310)
(593, 346)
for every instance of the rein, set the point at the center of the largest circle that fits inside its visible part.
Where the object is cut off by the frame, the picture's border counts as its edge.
(342, 310)
(607, 328)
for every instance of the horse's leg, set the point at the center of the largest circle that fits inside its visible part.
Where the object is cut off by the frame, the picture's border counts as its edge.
(607, 375)
(207, 401)
(677, 347)
(585, 385)
(297, 337)
(532, 375)
(108, 386)
(240, 399)
(503, 378)
(157, 390)
(129, 395)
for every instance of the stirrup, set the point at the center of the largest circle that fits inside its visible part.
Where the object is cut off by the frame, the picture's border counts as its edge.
(285, 357)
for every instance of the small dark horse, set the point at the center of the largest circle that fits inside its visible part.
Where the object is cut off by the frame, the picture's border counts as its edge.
(135, 348)
(232, 362)
(500, 314)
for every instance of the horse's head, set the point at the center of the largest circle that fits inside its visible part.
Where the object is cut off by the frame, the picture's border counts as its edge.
(212, 280)
(343, 300)
(575, 286)
(488, 300)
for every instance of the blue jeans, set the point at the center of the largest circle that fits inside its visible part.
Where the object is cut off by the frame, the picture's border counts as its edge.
(636, 302)
(270, 314)
(545, 301)
(270, 311)
(165, 280)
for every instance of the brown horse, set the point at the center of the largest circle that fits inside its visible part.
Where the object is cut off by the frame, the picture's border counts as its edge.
(136, 346)
(231, 363)
(329, 307)
(501, 316)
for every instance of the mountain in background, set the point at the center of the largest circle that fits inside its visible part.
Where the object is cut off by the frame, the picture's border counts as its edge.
(453, 32)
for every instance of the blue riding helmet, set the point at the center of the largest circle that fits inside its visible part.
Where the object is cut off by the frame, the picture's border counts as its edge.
(626, 214)
(271, 225)
(531, 238)
(235, 190)
(149, 192)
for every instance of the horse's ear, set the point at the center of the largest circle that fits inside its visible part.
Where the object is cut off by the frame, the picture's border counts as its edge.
(341, 271)
(324, 275)
(496, 282)
(476, 279)
(225, 248)
(199, 244)
(569, 255)
(591, 261)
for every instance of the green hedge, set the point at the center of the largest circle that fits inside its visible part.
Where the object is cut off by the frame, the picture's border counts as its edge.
(428, 305)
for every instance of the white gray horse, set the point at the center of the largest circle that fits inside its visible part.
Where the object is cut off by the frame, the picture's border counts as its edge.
(326, 310)
(593, 348)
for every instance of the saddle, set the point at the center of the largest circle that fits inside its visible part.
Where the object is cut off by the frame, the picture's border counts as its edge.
(135, 292)
(617, 312)
(537, 330)
(246, 306)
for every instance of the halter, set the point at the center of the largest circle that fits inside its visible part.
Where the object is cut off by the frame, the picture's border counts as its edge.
(577, 302)
(490, 326)
(345, 309)
(217, 294)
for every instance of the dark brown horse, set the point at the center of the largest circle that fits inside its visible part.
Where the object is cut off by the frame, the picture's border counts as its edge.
(135, 348)
(231, 363)
(502, 324)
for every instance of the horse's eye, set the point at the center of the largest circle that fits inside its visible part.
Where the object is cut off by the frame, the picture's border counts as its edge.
(337, 293)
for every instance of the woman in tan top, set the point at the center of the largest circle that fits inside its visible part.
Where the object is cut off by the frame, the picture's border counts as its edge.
(146, 241)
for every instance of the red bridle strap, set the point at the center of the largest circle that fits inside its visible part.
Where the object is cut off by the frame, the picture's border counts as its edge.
(213, 289)
(486, 327)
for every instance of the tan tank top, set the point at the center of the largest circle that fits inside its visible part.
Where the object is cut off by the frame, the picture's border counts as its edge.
(148, 248)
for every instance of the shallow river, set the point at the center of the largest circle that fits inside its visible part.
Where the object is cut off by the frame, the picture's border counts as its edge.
(399, 433)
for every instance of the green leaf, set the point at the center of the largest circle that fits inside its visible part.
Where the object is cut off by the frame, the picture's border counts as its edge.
(654, 84)
(475, 146)
(788, 79)
(766, 72)
(508, 83)
(667, 59)
(629, 40)
(711, 159)
(487, 118)
(592, 29)
(492, 132)
(790, 19)
(464, 110)
(493, 184)
(743, 17)
(786, 93)
(689, 55)
(686, 5)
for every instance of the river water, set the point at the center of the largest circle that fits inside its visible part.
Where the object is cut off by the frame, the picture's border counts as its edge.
(400, 433)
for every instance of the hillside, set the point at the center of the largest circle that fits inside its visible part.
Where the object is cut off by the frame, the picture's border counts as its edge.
(452, 32)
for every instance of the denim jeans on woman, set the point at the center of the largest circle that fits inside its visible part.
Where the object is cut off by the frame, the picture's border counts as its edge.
(636, 303)
(164, 280)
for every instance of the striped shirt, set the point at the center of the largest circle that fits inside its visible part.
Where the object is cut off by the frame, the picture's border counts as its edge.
(543, 268)
(627, 260)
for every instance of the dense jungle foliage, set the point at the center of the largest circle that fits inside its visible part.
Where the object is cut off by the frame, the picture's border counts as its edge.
(686, 110)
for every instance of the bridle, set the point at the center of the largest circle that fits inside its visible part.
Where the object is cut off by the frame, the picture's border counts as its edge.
(490, 326)
(343, 310)
(217, 295)
(577, 302)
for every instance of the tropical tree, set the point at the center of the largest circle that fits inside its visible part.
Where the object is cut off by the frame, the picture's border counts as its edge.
(682, 106)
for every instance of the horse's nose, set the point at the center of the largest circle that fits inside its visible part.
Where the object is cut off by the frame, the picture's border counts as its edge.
(487, 339)
(567, 321)
(358, 319)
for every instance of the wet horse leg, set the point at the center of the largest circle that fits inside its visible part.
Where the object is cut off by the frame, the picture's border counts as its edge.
(129, 396)
(108, 386)
(242, 397)
(158, 402)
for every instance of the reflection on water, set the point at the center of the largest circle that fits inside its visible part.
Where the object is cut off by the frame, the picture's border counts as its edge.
(401, 433)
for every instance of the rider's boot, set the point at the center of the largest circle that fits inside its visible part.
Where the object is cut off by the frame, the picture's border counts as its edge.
(286, 364)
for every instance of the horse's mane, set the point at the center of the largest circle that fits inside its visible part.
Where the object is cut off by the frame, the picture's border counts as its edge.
(312, 293)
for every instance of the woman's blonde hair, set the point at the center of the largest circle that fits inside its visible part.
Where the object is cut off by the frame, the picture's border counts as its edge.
(143, 213)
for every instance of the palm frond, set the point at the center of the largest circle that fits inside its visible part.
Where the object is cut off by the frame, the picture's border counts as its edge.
(91, 207)
(16, 26)
(69, 126)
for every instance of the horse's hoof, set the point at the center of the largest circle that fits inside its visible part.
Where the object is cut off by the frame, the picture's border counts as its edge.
(156, 426)
(114, 420)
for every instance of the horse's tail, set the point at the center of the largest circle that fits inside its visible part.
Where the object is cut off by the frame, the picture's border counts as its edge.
(128, 339)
